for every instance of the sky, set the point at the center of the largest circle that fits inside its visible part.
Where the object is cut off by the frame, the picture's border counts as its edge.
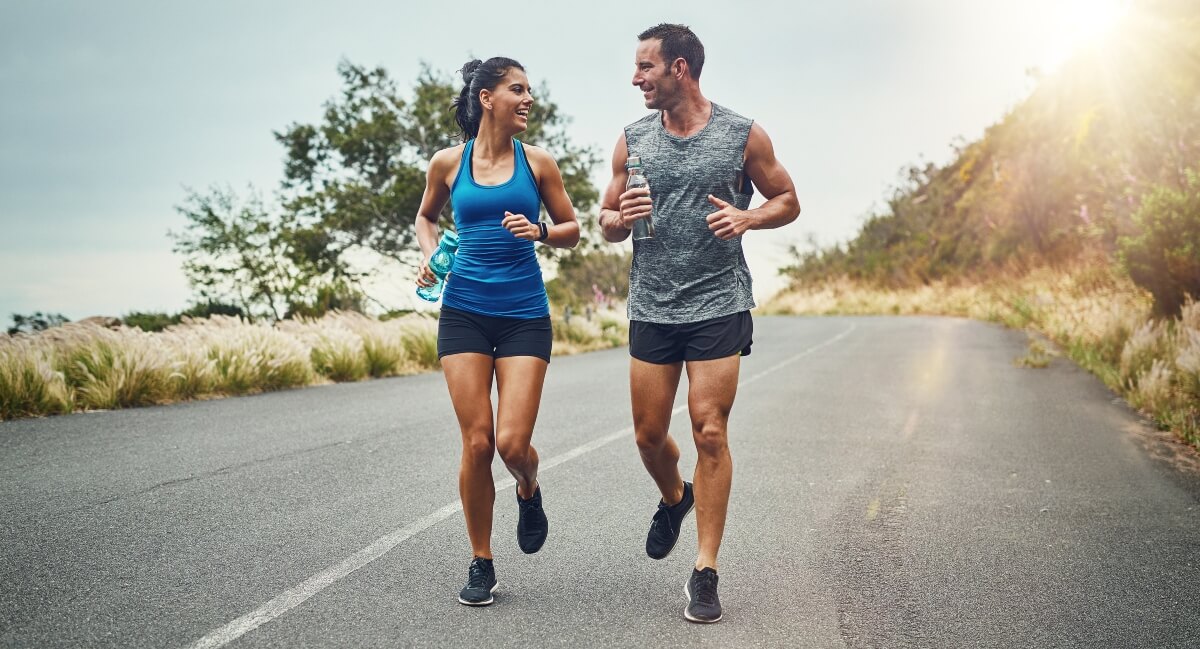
(110, 111)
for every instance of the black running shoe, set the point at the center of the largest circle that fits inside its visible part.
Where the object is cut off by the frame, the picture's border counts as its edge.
(664, 529)
(703, 604)
(481, 583)
(531, 522)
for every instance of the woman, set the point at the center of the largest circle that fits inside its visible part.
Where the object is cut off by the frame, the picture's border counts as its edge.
(495, 317)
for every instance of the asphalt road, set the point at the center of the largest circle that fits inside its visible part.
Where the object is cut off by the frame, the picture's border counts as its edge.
(898, 482)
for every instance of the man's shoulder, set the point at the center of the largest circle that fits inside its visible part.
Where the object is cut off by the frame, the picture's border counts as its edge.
(643, 123)
(729, 113)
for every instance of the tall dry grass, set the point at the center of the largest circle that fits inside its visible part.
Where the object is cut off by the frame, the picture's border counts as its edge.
(1099, 317)
(89, 367)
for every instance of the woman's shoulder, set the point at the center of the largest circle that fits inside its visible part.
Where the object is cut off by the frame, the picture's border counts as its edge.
(537, 156)
(446, 161)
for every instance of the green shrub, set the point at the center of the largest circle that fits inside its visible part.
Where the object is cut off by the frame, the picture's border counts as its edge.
(1164, 255)
(150, 321)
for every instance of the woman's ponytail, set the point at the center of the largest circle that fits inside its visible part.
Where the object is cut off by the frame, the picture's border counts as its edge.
(478, 75)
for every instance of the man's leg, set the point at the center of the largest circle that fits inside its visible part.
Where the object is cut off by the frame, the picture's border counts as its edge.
(652, 390)
(712, 386)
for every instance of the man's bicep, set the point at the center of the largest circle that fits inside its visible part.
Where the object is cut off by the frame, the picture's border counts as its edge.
(763, 167)
(612, 194)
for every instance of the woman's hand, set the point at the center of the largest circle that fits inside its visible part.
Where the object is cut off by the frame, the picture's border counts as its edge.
(520, 227)
(425, 277)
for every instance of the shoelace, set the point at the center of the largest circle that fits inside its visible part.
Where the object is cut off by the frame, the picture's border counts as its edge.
(663, 515)
(477, 575)
(706, 588)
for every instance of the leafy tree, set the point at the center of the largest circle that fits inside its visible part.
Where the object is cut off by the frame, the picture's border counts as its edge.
(356, 179)
(351, 183)
(36, 321)
(238, 252)
(1164, 256)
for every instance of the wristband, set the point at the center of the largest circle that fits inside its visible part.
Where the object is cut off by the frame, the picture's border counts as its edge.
(544, 229)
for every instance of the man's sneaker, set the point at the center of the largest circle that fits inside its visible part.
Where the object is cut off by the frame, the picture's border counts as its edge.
(531, 522)
(481, 583)
(703, 604)
(664, 529)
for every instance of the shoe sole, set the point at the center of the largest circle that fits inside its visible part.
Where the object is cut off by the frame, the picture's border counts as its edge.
(697, 620)
(681, 521)
(487, 601)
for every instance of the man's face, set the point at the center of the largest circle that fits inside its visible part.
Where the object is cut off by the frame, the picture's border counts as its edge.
(653, 75)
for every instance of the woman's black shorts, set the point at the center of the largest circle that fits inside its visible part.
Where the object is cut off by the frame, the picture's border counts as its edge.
(463, 331)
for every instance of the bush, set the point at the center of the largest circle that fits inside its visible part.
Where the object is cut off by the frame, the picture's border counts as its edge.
(1164, 256)
(150, 321)
(36, 322)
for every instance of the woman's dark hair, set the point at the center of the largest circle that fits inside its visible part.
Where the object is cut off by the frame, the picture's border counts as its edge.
(478, 75)
(678, 42)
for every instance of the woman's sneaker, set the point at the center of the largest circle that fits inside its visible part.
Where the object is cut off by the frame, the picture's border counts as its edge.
(531, 522)
(664, 528)
(481, 583)
(703, 604)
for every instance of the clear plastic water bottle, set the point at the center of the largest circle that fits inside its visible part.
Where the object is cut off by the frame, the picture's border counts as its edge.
(441, 263)
(642, 228)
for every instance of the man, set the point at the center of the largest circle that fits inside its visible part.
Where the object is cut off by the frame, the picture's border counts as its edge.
(689, 286)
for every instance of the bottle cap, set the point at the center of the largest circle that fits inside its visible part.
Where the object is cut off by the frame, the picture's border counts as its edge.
(633, 161)
(450, 239)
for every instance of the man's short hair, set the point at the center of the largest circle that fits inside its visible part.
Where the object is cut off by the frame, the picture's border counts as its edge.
(678, 42)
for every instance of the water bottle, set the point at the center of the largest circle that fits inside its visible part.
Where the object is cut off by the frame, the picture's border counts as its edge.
(642, 228)
(441, 263)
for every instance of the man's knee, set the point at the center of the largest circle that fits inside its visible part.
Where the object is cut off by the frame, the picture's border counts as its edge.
(711, 436)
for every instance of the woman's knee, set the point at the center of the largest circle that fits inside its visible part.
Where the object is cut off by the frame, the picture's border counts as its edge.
(650, 439)
(513, 449)
(478, 446)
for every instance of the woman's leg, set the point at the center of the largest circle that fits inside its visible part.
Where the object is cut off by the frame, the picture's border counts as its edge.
(469, 378)
(519, 381)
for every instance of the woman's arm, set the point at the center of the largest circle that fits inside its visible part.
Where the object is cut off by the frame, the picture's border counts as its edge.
(437, 193)
(564, 233)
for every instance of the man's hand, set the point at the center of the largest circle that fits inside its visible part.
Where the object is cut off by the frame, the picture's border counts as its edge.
(728, 221)
(520, 227)
(635, 205)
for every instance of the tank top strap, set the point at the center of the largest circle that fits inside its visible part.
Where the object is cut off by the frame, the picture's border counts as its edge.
(463, 163)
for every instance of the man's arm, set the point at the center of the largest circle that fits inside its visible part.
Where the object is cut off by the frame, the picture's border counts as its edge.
(611, 223)
(782, 206)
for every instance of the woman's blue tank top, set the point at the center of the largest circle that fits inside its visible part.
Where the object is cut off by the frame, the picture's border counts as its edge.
(495, 273)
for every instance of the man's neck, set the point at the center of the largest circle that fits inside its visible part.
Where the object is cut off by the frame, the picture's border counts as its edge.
(689, 116)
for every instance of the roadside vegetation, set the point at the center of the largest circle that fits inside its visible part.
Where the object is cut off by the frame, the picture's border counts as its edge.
(1076, 216)
(86, 366)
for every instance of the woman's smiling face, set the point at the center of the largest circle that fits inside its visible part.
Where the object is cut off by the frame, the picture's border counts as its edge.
(510, 100)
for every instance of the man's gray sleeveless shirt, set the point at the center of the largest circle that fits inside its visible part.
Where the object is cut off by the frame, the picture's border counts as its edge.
(685, 273)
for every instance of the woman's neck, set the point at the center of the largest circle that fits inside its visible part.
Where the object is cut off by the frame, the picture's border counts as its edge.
(493, 143)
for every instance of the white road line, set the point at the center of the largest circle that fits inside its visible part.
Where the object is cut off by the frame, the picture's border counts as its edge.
(297, 595)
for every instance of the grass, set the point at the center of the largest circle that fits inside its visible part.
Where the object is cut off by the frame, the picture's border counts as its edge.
(88, 367)
(1098, 317)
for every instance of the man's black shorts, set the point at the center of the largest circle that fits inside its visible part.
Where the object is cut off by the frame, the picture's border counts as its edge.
(662, 344)
(463, 331)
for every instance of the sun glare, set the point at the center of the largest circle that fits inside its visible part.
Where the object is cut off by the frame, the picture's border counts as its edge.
(1077, 24)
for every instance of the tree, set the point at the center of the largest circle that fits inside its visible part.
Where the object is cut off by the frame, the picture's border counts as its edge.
(351, 183)
(36, 321)
(238, 253)
(1164, 256)
(356, 179)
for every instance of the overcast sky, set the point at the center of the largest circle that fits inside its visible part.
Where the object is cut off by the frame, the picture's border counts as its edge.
(110, 109)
